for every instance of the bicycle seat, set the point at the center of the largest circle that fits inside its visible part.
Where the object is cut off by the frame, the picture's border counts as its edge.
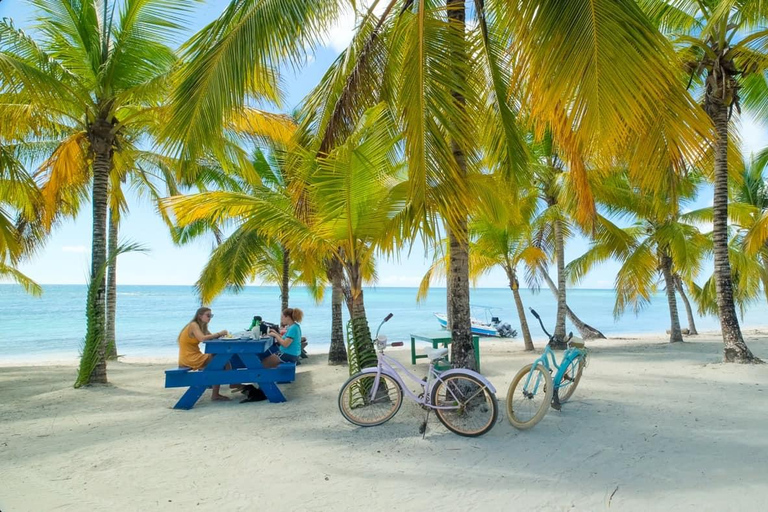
(436, 353)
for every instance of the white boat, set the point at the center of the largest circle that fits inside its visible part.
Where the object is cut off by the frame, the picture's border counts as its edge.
(493, 329)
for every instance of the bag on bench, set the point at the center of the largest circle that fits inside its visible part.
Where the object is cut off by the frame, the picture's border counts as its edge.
(252, 394)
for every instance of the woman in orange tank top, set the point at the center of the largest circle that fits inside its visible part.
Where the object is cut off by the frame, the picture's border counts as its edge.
(190, 338)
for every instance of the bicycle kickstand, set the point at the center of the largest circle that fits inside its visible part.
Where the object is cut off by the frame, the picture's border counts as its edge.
(423, 427)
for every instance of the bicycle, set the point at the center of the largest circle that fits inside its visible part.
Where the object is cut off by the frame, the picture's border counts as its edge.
(533, 389)
(463, 400)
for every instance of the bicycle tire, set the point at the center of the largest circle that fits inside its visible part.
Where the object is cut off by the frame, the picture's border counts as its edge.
(354, 398)
(574, 371)
(480, 404)
(517, 405)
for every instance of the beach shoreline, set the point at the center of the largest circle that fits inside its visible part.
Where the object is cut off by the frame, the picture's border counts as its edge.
(168, 355)
(652, 426)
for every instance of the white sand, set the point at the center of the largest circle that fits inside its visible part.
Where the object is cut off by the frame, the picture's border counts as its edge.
(652, 426)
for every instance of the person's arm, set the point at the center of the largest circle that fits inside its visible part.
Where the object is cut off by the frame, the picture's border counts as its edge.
(199, 336)
(284, 342)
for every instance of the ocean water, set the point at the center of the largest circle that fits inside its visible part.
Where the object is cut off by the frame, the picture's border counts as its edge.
(149, 318)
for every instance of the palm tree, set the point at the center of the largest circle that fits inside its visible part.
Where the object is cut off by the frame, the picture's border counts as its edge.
(657, 243)
(352, 195)
(500, 237)
(721, 45)
(97, 72)
(447, 82)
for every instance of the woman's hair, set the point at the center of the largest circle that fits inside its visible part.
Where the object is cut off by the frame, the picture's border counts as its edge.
(203, 326)
(294, 314)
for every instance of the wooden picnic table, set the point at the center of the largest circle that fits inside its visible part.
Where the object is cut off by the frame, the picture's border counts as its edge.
(242, 354)
(441, 338)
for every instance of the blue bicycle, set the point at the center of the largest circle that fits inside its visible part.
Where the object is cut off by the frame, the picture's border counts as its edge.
(534, 388)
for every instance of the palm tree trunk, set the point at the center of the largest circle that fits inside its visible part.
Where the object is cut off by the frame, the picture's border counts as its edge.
(735, 350)
(112, 288)
(337, 354)
(586, 331)
(362, 333)
(669, 281)
(691, 324)
(286, 282)
(559, 334)
(462, 350)
(101, 146)
(514, 285)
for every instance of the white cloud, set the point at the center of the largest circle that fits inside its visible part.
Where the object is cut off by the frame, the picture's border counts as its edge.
(78, 249)
(341, 34)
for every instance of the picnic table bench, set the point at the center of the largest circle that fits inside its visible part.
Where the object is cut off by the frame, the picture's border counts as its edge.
(242, 354)
(440, 338)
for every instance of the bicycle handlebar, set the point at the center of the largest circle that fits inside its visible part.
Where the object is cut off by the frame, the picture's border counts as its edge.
(533, 311)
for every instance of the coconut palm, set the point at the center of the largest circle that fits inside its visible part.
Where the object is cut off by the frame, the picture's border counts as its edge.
(347, 201)
(500, 237)
(657, 244)
(447, 82)
(722, 45)
(92, 79)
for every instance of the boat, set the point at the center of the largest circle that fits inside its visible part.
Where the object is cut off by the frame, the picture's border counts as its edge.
(494, 328)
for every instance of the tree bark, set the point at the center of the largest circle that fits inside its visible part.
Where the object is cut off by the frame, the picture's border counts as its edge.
(460, 323)
(719, 86)
(286, 281)
(337, 354)
(675, 334)
(514, 285)
(101, 142)
(586, 331)
(689, 312)
(559, 334)
(112, 289)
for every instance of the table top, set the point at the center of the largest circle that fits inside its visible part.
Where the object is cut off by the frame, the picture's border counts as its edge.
(435, 336)
(237, 345)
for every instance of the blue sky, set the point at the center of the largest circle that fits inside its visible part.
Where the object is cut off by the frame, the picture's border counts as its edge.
(64, 259)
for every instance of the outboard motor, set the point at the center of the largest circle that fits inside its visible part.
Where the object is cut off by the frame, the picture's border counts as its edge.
(504, 330)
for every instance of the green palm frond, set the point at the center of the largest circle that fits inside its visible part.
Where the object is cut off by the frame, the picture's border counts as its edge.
(235, 57)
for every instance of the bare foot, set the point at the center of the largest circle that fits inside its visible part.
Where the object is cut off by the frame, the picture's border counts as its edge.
(220, 398)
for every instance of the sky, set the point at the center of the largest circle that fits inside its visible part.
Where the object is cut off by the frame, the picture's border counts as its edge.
(65, 258)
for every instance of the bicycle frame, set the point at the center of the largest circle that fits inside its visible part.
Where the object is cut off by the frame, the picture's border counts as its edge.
(570, 355)
(389, 366)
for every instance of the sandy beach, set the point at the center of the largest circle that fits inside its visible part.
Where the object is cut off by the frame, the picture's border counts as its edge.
(652, 426)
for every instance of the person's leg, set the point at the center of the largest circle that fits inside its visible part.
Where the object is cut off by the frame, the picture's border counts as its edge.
(271, 361)
(215, 395)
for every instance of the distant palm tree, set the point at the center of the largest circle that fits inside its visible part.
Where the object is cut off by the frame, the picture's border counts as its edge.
(658, 244)
(721, 43)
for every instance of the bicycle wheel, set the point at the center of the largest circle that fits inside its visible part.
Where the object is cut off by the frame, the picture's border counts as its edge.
(357, 405)
(473, 407)
(527, 404)
(571, 379)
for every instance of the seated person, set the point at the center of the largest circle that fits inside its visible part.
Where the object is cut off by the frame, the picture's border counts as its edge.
(287, 347)
(191, 335)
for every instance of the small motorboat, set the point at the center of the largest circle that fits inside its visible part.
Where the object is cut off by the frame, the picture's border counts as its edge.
(494, 328)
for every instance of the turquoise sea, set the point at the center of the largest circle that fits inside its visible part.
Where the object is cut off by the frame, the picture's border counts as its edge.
(149, 318)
